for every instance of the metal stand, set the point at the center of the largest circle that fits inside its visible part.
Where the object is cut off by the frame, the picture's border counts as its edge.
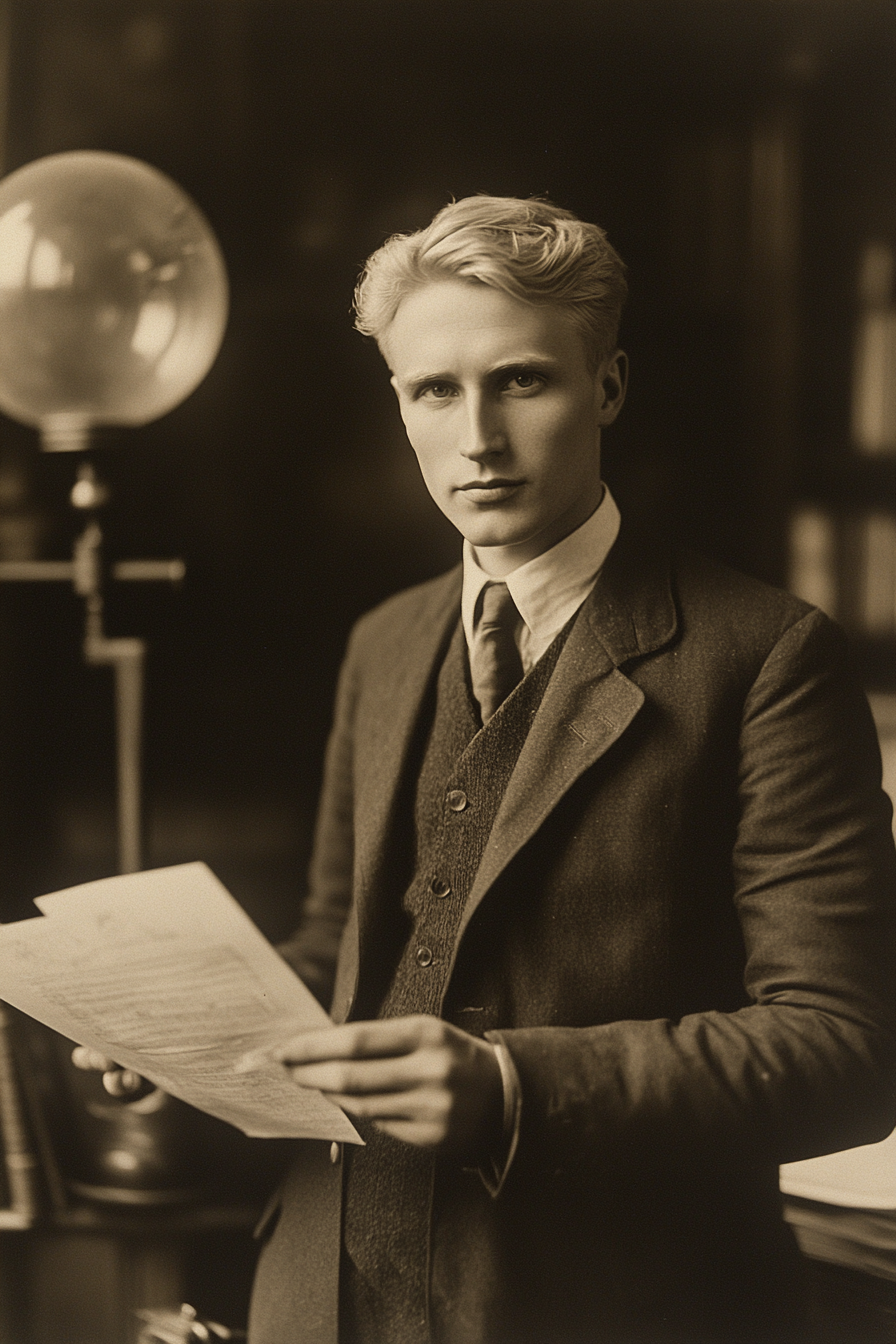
(125, 656)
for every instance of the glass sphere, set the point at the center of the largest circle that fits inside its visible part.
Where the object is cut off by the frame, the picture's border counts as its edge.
(113, 294)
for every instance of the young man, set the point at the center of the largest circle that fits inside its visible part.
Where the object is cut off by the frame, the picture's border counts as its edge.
(602, 887)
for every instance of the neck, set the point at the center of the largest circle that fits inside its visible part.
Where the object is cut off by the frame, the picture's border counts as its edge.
(499, 561)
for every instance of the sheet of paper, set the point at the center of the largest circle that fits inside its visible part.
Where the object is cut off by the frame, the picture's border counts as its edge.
(165, 973)
(858, 1178)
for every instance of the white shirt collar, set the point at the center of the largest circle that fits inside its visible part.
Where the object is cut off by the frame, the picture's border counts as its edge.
(550, 588)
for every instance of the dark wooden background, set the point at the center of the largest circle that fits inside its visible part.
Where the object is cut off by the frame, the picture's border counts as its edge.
(740, 153)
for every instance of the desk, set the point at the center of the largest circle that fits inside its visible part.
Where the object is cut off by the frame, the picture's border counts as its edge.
(79, 1277)
(842, 1209)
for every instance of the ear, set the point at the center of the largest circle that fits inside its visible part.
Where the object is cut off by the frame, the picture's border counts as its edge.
(611, 383)
(396, 389)
(402, 403)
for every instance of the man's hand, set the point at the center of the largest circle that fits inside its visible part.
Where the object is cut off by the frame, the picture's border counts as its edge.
(117, 1081)
(417, 1078)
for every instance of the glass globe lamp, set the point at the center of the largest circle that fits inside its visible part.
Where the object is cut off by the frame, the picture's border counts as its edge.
(113, 295)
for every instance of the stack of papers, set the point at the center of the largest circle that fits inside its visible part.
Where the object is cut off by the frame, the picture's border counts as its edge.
(842, 1207)
(163, 972)
(855, 1238)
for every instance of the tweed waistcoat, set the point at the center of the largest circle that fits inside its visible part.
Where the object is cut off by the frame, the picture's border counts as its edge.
(462, 780)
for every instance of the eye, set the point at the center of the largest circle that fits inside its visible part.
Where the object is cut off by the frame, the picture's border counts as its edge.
(524, 380)
(435, 392)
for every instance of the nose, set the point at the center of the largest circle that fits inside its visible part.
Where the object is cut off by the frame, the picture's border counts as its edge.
(483, 431)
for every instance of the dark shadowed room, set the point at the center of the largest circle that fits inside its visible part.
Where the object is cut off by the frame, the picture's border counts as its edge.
(741, 156)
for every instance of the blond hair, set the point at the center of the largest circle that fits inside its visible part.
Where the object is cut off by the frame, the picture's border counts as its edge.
(531, 249)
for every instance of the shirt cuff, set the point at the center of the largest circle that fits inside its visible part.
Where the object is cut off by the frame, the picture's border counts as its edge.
(494, 1171)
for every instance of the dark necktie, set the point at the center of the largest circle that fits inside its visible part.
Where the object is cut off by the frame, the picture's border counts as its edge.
(495, 663)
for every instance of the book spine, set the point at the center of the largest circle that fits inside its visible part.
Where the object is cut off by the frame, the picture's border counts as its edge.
(18, 1156)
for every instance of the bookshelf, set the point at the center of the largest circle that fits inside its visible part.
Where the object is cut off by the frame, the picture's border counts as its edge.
(843, 537)
(842, 532)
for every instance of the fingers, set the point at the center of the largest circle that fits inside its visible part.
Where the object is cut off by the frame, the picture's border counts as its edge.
(118, 1082)
(420, 1079)
(424, 1118)
(122, 1082)
(423, 1106)
(352, 1040)
(416, 1132)
(85, 1058)
(361, 1040)
(355, 1077)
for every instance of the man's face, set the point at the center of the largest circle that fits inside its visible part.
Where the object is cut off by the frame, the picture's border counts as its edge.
(503, 414)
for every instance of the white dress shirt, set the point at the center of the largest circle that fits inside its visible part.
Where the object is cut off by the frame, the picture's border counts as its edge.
(550, 588)
(547, 591)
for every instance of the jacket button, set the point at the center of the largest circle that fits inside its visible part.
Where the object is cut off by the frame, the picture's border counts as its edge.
(439, 887)
(424, 956)
(335, 1153)
(457, 800)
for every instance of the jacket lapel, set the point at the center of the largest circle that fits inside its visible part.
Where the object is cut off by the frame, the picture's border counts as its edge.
(588, 705)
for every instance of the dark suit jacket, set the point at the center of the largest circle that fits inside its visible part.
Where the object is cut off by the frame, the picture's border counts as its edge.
(682, 930)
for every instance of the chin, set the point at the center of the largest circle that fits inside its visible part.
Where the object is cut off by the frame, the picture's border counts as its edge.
(486, 537)
(492, 531)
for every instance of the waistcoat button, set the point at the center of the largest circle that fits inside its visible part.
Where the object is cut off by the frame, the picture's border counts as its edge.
(424, 956)
(439, 887)
(335, 1153)
(457, 800)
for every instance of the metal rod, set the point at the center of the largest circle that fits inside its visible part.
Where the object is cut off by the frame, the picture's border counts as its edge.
(127, 658)
(132, 571)
(36, 571)
(149, 571)
(129, 709)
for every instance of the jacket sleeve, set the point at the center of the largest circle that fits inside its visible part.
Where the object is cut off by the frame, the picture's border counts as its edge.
(808, 1066)
(313, 948)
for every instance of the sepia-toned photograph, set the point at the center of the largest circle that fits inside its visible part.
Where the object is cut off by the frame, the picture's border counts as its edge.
(447, 671)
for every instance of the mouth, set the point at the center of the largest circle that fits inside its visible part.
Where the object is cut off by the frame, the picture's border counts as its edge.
(491, 491)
